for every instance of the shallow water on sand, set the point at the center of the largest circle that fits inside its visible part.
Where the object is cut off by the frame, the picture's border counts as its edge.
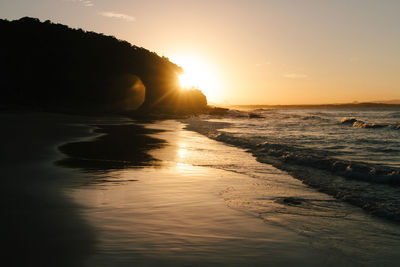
(209, 203)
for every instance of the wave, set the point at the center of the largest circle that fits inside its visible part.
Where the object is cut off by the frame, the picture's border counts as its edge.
(361, 124)
(302, 156)
(364, 125)
(315, 117)
(394, 115)
(237, 113)
(319, 159)
(363, 184)
(261, 113)
(233, 113)
(347, 120)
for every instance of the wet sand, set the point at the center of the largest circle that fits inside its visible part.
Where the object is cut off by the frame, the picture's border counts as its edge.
(179, 203)
(173, 214)
(118, 146)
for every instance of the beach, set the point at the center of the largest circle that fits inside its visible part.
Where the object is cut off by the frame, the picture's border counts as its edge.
(187, 200)
(40, 225)
(200, 133)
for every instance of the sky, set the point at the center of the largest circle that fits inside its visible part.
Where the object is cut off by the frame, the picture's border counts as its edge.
(254, 51)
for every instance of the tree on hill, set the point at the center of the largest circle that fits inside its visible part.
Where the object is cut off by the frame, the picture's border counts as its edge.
(51, 66)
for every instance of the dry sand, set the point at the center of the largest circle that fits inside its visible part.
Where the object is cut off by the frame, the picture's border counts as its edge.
(40, 226)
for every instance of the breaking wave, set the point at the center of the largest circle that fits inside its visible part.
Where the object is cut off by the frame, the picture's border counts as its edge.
(361, 124)
(370, 186)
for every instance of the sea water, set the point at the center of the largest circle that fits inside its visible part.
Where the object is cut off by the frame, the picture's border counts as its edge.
(351, 154)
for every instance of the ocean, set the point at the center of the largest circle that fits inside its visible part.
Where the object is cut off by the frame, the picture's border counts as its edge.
(351, 154)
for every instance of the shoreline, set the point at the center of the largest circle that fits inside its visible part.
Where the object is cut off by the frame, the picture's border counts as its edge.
(193, 207)
(174, 214)
(196, 208)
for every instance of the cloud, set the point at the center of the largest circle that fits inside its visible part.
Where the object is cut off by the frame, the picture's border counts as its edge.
(87, 3)
(295, 76)
(117, 16)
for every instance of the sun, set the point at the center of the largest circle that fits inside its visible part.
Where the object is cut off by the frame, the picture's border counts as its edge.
(198, 74)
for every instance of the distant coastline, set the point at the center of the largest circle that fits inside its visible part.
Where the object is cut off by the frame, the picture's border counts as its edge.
(319, 106)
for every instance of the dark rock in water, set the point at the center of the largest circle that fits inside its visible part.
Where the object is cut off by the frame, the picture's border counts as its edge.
(292, 200)
(376, 126)
(218, 111)
(255, 116)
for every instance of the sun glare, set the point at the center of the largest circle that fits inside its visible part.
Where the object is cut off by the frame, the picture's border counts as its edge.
(198, 74)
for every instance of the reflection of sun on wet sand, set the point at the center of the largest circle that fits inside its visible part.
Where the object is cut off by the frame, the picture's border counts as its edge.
(126, 194)
(173, 214)
(200, 206)
(170, 214)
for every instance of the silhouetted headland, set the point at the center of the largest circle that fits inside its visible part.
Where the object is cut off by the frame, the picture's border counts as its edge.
(51, 67)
